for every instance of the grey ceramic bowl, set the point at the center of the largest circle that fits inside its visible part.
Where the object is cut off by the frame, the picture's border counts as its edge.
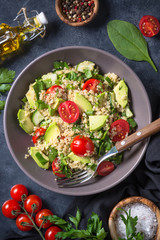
(18, 141)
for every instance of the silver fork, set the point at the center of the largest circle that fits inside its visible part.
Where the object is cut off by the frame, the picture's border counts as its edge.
(83, 176)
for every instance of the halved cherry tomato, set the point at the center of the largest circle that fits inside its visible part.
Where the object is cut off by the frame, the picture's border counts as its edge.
(24, 223)
(39, 132)
(53, 89)
(19, 192)
(51, 232)
(91, 84)
(56, 168)
(33, 203)
(105, 168)
(39, 218)
(149, 26)
(11, 208)
(119, 130)
(68, 111)
(82, 145)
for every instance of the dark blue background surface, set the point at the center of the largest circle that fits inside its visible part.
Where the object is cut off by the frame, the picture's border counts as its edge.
(145, 179)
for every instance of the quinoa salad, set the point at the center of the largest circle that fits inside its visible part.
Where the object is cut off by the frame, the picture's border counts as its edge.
(74, 115)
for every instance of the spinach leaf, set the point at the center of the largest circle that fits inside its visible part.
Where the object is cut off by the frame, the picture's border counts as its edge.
(129, 41)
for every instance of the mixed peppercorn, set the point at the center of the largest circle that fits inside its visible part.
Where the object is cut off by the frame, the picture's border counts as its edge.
(78, 10)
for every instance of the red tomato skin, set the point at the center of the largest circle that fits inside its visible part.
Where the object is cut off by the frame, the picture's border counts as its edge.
(39, 215)
(82, 145)
(24, 218)
(53, 88)
(51, 232)
(18, 192)
(33, 200)
(69, 111)
(56, 170)
(105, 168)
(39, 132)
(149, 26)
(121, 127)
(9, 206)
(91, 84)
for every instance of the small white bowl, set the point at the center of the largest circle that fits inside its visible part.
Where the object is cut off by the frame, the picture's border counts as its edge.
(125, 202)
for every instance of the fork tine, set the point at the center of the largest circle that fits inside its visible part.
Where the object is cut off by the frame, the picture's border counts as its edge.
(74, 176)
(77, 181)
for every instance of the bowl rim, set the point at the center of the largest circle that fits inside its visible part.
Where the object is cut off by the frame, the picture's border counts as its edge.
(69, 191)
(132, 200)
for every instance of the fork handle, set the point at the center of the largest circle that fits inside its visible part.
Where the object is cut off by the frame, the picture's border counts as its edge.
(139, 135)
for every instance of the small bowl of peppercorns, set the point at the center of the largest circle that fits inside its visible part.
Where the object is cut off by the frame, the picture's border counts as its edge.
(77, 12)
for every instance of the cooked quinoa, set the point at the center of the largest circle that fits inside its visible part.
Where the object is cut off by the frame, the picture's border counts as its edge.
(42, 110)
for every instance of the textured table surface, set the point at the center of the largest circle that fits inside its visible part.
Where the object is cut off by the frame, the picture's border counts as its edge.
(144, 180)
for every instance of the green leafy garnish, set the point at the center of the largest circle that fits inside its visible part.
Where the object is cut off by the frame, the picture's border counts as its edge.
(132, 122)
(93, 231)
(71, 75)
(110, 83)
(52, 154)
(88, 73)
(129, 41)
(2, 104)
(4, 87)
(130, 224)
(6, 76)
(59, 65)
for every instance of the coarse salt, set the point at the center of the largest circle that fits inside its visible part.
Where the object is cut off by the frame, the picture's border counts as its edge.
(146, 223)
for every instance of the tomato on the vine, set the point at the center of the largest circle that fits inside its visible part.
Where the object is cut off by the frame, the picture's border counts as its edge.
(56, 169)
(39, 132)
(24, 223)
(105, 168)
(119, 130)
(149, 26)
(82, 145)
(19, 192)
(51, 232)
(39, 218)
(53, 89)
(91, 84)
(68, 111)
(11, 208)
(33, 203)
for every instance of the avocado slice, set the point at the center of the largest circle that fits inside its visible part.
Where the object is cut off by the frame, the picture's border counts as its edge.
(97, 122)
(52, 132)
(55, 106)
(25, 121)
(128, 112)
(31, 96)
(83, 103)
(76, 158)
(121, 93)
(85, 65)
(40, 158)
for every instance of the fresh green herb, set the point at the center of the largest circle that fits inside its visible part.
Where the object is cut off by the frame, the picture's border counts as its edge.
(24, 100)
(132, 122)
(130, 224)
(110, 83)
(70, 87)
(117, 159)
(41, 105)
(71, 75)
(6, 76)
(99, 77)
(38, 87)
(2, 104)
(52, 154)
(47, 82)
(88, 73)
(59, 65)
(93, 231)
(129, 41)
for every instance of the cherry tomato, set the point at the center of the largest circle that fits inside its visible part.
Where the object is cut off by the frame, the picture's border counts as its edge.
(51, 232)
(91, 84)
(33, 203)
(105, 168)
(119, 130)
(56, 169)
(82, 145)
(11, 208)
(53, 89)
(149, 26)
(24, 223)
(39, 218)
(39, 132)
(19, 192)
(68, 111)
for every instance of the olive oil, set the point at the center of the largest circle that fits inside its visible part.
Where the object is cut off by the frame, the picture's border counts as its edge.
(11, 38)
